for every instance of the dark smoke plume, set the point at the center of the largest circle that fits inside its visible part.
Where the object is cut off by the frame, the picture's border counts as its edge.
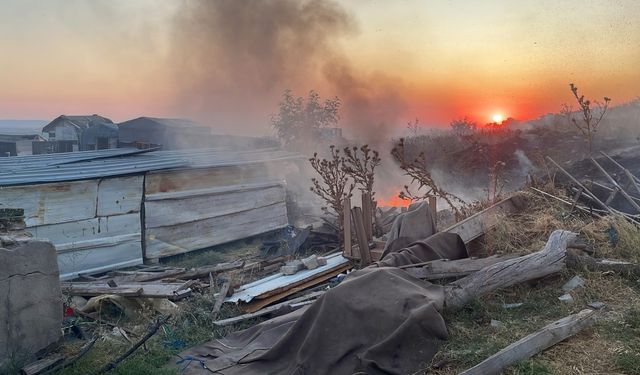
(235, 58)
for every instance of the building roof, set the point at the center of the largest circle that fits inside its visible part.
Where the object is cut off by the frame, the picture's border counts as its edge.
(163, 123)
(21, 127)
(79, 122)
(33, 169)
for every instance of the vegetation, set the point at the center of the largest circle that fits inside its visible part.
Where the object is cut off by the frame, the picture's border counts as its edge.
(360, 164)
(591, 117)
(299, 121)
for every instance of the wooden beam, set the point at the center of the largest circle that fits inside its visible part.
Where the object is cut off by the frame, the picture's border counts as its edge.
(346, 227)
(361, 235)
(367, 215)
(221, 296)
(434, 209)
(533, 344)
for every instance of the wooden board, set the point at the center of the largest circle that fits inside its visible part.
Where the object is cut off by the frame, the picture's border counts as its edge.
(120, 195)
(150, 290)
(214, 231)
(53, 203)
(189, 208)
(189, 179)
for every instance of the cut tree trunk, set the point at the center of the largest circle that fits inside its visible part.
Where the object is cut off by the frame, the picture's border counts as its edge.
(549, 260)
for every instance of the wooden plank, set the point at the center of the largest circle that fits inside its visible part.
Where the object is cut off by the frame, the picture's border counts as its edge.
(120, 195)
(434, 209)
(175, 211)
(99, 259)
(221, 296)
(534, 343)
(476, 225)
(145, 290)
(200, 272)
(42, 365)
(361, 236)
(346, 209)
(178, 239)
(367, 215)
(89, 229)
(286, 306)
(204, 178)
(53, 203)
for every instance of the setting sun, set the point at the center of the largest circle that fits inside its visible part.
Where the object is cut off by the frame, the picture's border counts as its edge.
(497, 118)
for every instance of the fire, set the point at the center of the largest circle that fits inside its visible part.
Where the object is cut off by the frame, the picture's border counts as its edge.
(393, 201)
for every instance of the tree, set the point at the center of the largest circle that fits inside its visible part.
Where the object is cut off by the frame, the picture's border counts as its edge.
(588, 126)
(463, 126)
(335, 185)
(298, 121)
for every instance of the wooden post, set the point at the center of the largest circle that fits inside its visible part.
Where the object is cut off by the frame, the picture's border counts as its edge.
(346, 226)
(367, 215)
(361, 235)
(434, 209)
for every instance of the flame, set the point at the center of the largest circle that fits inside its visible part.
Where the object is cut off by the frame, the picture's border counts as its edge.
(393, 201)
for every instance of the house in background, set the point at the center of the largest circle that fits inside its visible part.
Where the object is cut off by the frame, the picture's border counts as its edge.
(18, 144)
(165, 133)
(78, 133)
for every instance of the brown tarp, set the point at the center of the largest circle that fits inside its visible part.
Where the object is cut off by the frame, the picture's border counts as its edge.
(380, 320)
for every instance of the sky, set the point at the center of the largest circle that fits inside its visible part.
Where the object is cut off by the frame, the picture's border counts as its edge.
(227, 63)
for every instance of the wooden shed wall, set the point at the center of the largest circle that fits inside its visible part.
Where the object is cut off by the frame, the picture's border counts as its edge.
(187, 210)
(94, 224)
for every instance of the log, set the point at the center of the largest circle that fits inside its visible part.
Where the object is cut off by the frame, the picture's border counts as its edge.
(533, 344)
(287, 305)
(367, 215)
(444, 268)
(549, 260)
(434, 209)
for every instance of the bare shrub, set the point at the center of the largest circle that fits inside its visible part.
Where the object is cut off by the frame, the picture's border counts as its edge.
(591, 117)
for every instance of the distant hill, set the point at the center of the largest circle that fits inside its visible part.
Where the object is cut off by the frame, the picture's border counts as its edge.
(20, 127)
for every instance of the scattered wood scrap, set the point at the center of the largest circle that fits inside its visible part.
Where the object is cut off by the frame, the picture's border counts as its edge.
(533, 344)
(172, 291)
(620, 267)
(283, 307)
(42, 365)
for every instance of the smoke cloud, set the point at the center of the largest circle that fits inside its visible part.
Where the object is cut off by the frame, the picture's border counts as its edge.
(234, 59)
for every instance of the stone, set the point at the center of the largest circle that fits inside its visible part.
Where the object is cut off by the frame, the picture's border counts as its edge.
(574, 283)
(596, 305)
(292, 267)
(30, 296)
(512, 305)
(496, 324)
(566, 298)
(322, 261)
(311, 262)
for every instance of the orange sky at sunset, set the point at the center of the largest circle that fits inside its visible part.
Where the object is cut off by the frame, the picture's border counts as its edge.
(391, 62)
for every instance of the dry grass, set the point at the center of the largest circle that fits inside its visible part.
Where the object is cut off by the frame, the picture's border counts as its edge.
(612, 346)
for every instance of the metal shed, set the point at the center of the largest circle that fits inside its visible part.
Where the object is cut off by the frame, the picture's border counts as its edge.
(114, 208)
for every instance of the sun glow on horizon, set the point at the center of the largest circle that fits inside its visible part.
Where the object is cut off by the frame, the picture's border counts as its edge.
(497, 118)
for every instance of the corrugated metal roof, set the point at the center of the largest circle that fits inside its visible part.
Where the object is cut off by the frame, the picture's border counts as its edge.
(249, 291)
(21, 170)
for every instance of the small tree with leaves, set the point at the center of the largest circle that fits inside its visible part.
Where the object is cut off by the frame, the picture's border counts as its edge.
(334, 184)
(591, 117)
(418, 171)
(299, 121)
